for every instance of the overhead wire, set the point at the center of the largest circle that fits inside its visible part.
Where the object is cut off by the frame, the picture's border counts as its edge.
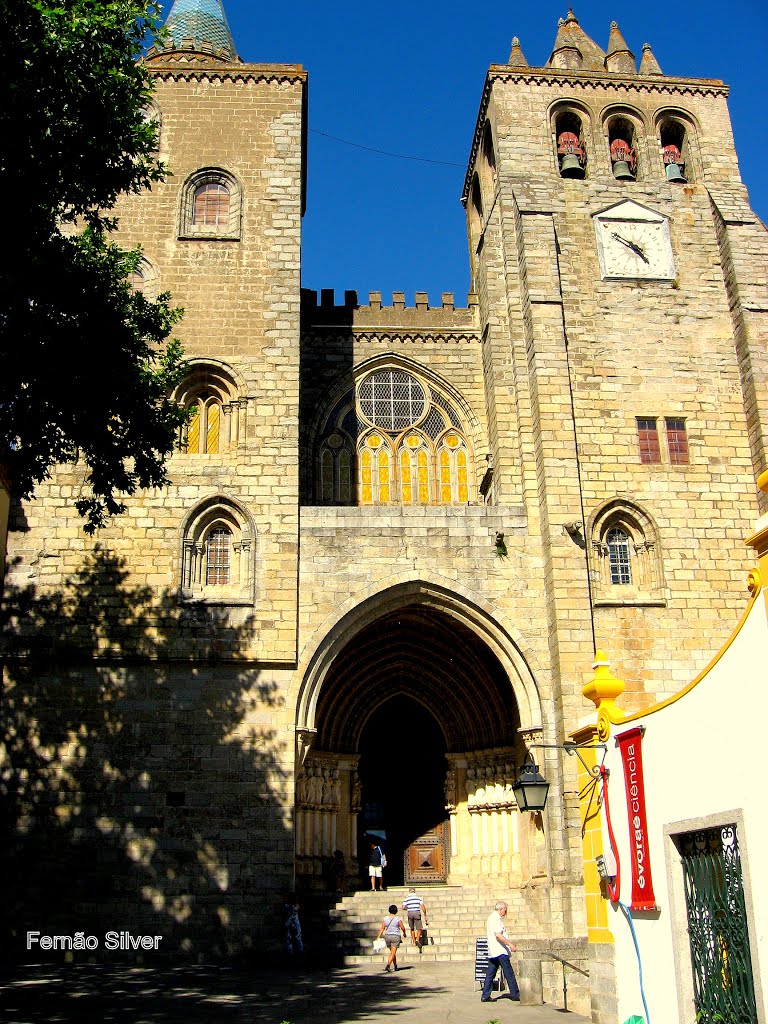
(385, 152)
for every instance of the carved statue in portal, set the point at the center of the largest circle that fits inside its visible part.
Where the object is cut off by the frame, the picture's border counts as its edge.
(355, 793)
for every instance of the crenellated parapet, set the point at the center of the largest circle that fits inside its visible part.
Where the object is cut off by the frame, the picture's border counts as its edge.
(377, 319)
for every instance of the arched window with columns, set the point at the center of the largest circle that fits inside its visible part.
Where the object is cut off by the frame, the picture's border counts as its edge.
(394, 438)
(218, 553)
(626, 565)
(216, 409)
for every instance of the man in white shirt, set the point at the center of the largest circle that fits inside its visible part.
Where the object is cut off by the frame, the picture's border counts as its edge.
(499, 948)
(416, 908)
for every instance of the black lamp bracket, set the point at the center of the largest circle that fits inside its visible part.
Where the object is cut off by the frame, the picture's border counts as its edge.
(572, 748)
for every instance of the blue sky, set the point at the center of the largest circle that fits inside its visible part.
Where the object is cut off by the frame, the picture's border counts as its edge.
(407, 78)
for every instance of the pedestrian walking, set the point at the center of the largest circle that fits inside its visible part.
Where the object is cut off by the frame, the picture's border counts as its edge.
(293, 940)
(499, 948)
(416, 909)
(393, 932)
(376, 862)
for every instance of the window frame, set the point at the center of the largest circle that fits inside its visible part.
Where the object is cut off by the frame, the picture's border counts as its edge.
(361, 473)
(646, 585)
(218, 515)
(229, 231)
(679, 454)
(210, 383)
(643, 445)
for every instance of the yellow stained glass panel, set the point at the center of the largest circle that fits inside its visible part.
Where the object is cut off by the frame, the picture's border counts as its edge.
(193, 432)
(445, 478)
(212, 433)
(366, 495)
(423, 478)
(406, 487)
(383, 475)
(461, 461)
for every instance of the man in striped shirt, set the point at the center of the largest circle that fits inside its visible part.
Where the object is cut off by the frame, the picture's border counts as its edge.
(415, 907)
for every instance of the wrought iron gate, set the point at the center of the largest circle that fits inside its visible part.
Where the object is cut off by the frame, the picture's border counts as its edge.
(717, 927)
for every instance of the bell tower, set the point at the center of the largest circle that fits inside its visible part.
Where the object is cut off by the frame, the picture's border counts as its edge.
(222, 234)
(624, 327)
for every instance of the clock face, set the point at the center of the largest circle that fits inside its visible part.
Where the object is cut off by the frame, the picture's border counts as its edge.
(634, 248)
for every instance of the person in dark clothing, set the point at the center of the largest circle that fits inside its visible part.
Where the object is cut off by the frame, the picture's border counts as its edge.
(375, 866)
(293, 940)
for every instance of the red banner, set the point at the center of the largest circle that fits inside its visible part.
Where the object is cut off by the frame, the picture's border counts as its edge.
(630, 745)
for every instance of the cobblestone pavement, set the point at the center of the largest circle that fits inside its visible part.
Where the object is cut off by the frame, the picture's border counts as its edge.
(212, 994)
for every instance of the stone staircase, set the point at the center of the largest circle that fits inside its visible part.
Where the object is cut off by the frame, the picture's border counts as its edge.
(457, 916)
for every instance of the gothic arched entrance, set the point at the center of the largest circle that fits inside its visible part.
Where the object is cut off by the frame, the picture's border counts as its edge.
(402, 775)
(414, 727)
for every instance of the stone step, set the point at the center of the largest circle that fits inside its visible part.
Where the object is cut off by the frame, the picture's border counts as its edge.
(456, 914)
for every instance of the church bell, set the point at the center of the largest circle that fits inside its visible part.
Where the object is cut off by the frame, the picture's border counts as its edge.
(622, 171)
(571, 167)
(673, 164)
(674, 173)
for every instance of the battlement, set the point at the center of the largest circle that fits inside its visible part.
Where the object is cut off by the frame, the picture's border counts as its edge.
(320, 308)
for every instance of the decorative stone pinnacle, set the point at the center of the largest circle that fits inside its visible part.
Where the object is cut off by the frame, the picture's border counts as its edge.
(516, 55)
(604, 687)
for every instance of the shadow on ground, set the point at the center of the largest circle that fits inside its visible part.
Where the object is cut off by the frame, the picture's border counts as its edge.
(66, 994)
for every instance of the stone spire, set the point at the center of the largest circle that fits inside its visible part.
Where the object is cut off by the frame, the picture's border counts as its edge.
(574, 49)
(648, 63)
(200, 27)
(516, 56)
(619, 58)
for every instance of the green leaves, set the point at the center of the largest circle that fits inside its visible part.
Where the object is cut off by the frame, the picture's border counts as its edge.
(87, 365)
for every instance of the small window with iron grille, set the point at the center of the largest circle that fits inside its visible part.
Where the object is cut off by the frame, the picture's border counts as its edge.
(677, 441)
(625, 560)
(217, 558)
(648, 440)
(619, 556)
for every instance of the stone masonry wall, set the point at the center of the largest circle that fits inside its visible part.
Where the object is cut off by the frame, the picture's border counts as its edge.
(627, 349)
(153, 757)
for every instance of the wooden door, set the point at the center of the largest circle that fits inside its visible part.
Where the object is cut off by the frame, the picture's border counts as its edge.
(426, 859)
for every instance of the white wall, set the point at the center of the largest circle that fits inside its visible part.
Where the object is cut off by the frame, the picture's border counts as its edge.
(704, 759)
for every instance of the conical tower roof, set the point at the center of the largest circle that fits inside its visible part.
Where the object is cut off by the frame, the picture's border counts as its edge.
(199, 25)
(619, 57)
(574, 49)
(648, 63)
(516, 56)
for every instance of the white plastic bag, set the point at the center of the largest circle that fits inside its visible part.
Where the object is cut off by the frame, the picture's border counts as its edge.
(379, 945)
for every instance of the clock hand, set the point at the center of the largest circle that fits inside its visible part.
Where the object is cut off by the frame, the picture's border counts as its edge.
(636, 249)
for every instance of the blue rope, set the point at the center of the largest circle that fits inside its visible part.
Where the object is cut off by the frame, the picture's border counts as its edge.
(628, 914)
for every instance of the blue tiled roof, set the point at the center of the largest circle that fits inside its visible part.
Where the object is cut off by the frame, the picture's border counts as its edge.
(202, 21)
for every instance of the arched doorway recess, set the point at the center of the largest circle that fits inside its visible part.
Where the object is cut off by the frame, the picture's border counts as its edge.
(416, 725)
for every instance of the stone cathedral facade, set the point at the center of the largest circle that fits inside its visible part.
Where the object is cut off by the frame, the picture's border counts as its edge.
(395, 535)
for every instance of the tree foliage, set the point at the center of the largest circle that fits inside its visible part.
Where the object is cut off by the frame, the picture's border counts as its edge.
(86, 367)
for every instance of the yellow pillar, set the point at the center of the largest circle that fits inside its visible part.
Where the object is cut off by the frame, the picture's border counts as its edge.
(759, 541)
(602, 689)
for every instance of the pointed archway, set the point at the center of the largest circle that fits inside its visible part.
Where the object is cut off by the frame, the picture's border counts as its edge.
(416, 720)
